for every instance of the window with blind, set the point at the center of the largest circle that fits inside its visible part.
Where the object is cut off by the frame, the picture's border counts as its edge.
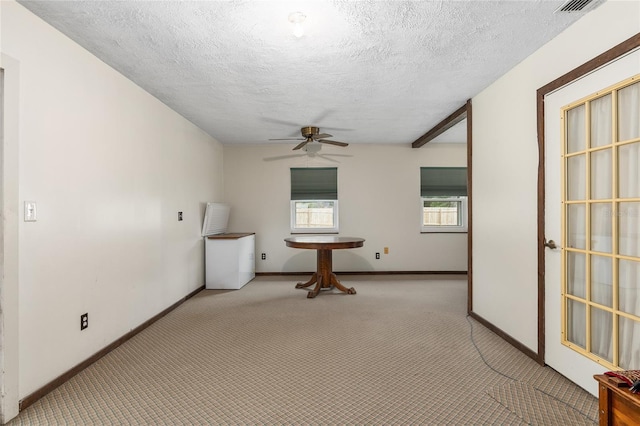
(443, 192)
(314, 200)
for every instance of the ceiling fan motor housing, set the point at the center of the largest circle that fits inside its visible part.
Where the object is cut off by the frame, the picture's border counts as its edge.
(310, 131)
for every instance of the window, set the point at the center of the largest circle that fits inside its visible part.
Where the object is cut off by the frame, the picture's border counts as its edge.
(314, 200)
(601, 226)
(443, 192)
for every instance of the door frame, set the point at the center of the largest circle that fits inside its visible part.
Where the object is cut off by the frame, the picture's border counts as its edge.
(615, 52)
(9, 228)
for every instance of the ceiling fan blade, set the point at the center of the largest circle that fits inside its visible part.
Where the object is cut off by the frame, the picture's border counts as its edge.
(288, 139)
(277, 121)
(300, 145)
(341, 129)
(321, 136)
(324, 157)
(282, 157)
(337, 155)
(333, 142)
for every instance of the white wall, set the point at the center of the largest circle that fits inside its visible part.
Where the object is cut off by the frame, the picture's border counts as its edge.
(379, 200)
(505, 162)
(109, 167)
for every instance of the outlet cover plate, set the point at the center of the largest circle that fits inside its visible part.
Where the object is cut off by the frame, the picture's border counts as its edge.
(30, 211)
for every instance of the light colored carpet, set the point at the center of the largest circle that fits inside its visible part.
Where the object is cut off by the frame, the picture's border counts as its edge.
(398, 352)
(533, 406)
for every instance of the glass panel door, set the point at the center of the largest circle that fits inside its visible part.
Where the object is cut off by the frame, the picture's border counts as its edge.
(601, 226)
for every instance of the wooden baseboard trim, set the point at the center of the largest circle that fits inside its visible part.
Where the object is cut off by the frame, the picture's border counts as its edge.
(271, 274)
(522, 348)
(32, 398)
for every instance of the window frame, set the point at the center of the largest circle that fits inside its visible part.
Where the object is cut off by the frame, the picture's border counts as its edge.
(463, 216)
(445, 183)
(313, 185)
(297, 230)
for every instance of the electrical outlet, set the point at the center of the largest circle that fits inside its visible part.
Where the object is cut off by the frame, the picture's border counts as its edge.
(377, 255)
(264, 256)
(84, 321)
(179, 216)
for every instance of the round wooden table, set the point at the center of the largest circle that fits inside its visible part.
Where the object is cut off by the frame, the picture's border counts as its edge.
(324, 278)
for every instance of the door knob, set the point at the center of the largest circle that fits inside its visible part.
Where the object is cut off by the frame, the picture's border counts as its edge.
(551, 244)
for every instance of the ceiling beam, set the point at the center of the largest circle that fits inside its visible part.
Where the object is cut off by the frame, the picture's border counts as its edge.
(441, 127)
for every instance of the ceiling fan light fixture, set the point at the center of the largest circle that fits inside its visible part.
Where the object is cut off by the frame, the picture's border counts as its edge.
(312, 148)
(296, 19)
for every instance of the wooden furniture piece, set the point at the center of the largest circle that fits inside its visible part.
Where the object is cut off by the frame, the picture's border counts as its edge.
(617, 406)
(324, 278)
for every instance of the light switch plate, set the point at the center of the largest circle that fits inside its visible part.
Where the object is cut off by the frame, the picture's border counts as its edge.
(30, 211)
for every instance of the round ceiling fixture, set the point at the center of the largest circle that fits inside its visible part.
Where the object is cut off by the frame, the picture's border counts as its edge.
(296, 19)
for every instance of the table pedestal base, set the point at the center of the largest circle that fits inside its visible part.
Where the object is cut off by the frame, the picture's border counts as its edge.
(324, 278)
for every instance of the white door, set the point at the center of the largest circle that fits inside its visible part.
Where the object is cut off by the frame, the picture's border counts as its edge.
(568, 362)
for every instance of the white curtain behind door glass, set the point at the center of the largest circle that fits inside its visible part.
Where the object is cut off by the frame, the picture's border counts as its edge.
(576, 137)
(603, 267)
(601, 174)
(576, 226)
(601, 121)
(629, 112)
(629, 217)
(601, 227)
(601, 293)
(601, 273)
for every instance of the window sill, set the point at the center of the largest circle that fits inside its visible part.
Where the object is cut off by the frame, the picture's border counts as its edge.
(444, 232)
(313, 232)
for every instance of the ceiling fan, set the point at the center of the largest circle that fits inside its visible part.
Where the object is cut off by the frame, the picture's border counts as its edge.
(310, 134)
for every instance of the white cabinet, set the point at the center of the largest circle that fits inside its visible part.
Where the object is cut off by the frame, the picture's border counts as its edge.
(229, 260)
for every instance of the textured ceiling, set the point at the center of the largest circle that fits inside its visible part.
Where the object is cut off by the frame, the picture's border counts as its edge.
(365, 71)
